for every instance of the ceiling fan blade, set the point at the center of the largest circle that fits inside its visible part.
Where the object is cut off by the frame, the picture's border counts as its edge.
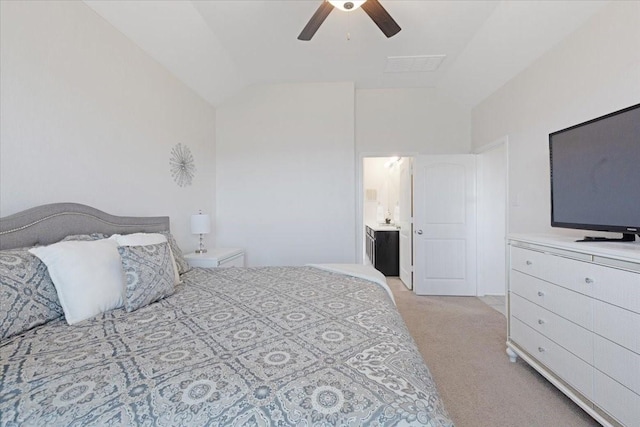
(381, 18)
(316, 20)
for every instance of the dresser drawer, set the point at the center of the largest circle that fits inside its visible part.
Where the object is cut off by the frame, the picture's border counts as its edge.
(618, 287)
(619, 363)
(530, 262)
(615, 399)
(568, 335)
(568, 273)
(572, 369)
(568, 304)
(617, 324)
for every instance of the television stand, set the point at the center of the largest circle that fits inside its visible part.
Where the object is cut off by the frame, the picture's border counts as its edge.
(626, 237)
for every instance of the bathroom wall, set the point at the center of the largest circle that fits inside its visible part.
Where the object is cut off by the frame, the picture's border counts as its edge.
(385, 182)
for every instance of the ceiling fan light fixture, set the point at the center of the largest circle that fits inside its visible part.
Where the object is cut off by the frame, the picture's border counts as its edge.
(347, 6)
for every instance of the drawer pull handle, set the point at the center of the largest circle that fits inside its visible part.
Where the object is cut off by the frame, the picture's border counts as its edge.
(529, 262)
(541, 350)
(540, 293)
(540, 322)
(588, 280)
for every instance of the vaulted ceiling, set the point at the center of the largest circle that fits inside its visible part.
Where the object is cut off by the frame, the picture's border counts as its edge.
(218, 47)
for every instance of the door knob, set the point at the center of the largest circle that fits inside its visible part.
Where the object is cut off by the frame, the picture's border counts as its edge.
(418, 231)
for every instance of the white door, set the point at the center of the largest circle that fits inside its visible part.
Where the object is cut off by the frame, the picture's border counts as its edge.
(444, 225)
(492, 220)
(405, 222)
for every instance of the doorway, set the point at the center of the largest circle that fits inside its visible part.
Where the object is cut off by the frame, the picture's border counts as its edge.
(386, 209)
(445, 275)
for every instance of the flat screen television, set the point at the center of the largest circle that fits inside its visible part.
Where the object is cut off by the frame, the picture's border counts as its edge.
(595, 175)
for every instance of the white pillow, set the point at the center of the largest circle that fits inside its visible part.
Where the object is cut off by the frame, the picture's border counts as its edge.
(87, 276)
(144, 239)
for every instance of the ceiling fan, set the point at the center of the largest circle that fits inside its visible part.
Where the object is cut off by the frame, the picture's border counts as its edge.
(373, 8)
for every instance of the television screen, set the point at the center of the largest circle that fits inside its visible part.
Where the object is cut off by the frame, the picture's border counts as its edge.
(595, 173)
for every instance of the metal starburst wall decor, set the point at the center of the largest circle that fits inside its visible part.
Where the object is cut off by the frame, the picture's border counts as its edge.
(182, 165)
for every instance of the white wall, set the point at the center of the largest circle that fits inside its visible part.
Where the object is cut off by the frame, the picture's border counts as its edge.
(594, 71)
(406, 122)
(410, 121)
(88, 117)
(285, 171)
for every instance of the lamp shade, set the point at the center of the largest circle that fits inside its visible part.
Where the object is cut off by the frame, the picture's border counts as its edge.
(200, 224)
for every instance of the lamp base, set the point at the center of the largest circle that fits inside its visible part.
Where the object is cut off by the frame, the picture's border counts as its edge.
(201, 251)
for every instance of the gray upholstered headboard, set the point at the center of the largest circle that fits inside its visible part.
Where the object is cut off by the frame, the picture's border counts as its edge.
(48, 224)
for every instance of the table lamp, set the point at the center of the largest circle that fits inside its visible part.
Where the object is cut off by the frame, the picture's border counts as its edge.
(200, 224)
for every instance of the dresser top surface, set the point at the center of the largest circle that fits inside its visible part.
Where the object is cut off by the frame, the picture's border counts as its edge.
(626, 251)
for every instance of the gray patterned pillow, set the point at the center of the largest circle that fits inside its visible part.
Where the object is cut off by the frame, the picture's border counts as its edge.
(27, 295)
(148, 272)
(85, 237)
(183, 265)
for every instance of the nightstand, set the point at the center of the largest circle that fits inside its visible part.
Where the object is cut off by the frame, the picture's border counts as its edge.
(217, 257)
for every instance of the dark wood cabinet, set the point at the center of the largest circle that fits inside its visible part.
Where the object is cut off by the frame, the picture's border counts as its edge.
(383, 250)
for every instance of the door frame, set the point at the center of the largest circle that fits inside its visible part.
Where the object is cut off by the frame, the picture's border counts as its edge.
(502, 141)
(360, 195)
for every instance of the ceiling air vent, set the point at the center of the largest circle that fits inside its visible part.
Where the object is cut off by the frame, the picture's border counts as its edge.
(413, 64)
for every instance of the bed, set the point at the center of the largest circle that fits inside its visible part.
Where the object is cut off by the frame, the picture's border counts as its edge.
(236, 346)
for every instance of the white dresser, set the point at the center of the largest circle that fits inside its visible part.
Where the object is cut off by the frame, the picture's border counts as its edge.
(574, 315)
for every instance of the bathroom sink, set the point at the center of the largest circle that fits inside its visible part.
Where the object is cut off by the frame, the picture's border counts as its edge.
(387, 227)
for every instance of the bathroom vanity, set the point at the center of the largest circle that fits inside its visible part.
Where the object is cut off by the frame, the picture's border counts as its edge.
(383, 248)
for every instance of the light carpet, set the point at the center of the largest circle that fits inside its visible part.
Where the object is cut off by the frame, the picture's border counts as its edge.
(463, 342)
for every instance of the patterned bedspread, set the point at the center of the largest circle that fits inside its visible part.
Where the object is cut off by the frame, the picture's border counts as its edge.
(254, 346)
